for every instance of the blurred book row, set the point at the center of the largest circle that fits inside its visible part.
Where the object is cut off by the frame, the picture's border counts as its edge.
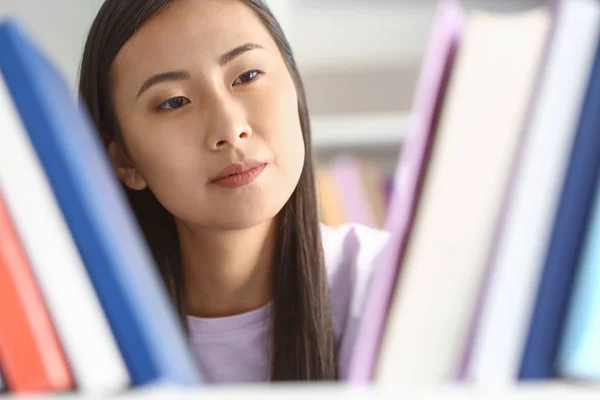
(493, 271)
(492, 275)
(351, 188)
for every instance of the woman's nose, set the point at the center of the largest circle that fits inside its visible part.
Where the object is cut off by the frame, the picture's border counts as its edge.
(229, 126)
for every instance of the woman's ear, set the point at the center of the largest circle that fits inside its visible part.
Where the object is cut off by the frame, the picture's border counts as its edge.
(124, 167)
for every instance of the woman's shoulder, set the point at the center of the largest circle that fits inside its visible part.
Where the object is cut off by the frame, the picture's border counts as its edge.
(351, 256)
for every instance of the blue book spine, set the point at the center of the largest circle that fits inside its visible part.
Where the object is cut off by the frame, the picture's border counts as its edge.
(579, 354)
(116, 257)
(570, 225)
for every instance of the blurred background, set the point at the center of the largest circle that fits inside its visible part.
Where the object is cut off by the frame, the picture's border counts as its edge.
(359, 59)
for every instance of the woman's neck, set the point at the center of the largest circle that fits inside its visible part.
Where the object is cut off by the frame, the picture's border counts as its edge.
(226, 272)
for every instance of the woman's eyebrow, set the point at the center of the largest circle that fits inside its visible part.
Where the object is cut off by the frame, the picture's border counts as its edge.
(184, 75)
(163, 77)
(238, 51)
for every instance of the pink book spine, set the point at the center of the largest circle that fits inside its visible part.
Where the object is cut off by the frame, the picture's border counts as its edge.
(444, 40)
(346, 171)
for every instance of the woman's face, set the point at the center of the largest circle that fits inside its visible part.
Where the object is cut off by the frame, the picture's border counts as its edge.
(199, 88)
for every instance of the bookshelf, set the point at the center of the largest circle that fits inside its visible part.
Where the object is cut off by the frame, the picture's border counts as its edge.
(360, 133)
(548, 391)
(358, 130)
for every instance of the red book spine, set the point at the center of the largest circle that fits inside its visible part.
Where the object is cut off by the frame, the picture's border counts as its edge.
(31, 356)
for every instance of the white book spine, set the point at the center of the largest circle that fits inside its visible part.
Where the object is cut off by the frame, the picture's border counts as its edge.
(469, 171)
(81, 325)
(519, 258)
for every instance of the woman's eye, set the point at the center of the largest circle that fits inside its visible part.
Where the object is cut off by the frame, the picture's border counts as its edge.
(247, 76)
(173, 103)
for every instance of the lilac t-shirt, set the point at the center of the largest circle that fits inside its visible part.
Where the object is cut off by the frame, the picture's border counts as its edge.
(236, 348)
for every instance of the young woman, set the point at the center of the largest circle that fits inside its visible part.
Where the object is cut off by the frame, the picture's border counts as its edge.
(202, 110)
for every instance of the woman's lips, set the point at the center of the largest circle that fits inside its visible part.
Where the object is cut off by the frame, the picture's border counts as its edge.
(236, 175)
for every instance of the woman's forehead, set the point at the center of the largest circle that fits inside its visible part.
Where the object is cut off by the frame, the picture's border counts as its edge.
(190, 32)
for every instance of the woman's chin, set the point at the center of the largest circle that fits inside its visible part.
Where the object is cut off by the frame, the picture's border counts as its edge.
(239, 218)
(237, 212)
(238, 224)
(246, 213)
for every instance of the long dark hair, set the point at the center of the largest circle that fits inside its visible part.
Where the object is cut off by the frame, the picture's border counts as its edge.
(303, 345)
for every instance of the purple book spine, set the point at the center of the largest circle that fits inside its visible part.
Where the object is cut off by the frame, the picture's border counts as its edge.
(443, 43)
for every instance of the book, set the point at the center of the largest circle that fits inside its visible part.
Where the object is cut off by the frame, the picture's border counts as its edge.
(346, 173)
(330, 205)
(579, 348)
(77, 315)
(539, 360)
(124, 275)
(480, 127)
(30, 353)
(517, 260)
(406, 187)
(373, 183)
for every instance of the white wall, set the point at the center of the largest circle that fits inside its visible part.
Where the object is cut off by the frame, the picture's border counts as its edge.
(60, 26)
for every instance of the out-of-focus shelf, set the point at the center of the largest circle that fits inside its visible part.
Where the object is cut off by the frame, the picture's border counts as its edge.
(545, 391)
(358, 130)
